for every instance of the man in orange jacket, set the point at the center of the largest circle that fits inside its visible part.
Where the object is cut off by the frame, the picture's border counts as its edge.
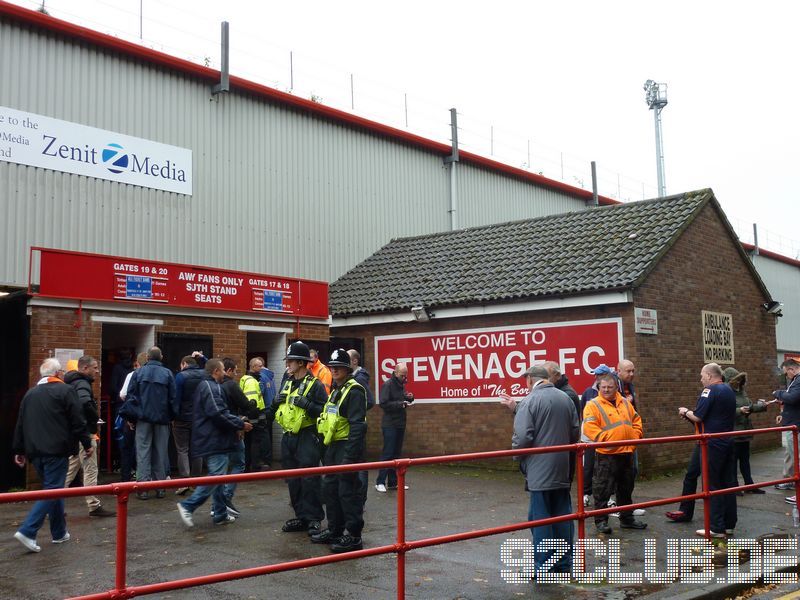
(320, 371)
(612, 418)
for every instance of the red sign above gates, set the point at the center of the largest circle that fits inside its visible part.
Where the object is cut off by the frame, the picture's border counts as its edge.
(476, 365)
(78, 275)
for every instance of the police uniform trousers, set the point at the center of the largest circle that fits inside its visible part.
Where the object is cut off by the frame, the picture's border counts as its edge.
(613, 472)
(722, 475)
(343, 494)
(299, 450)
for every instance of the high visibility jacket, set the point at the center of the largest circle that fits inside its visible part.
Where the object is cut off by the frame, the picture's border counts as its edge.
(294, 418)
(322, 373)
(252, 390)
(330, 424)
(605, 421)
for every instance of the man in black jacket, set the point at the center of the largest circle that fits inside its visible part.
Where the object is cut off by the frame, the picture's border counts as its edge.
(394, 401)
(186, 382)
(81, 380)
(343, 427)
(50, 423)
(215, 434)
(242, 407)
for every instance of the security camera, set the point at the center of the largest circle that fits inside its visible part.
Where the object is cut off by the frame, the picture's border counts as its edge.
(773, 307)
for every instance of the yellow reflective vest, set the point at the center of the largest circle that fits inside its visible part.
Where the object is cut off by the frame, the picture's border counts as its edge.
(290, 417)
(330, 424)
(252, 390)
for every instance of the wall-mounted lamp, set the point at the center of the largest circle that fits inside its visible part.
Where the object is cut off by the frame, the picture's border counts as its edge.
(421, 313)
(773, 307)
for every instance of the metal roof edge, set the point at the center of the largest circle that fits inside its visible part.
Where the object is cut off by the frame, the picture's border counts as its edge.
(102, 40)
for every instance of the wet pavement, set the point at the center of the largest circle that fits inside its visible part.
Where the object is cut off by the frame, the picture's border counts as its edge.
(441, 500)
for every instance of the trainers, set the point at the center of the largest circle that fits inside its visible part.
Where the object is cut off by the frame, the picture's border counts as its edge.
(784, 486)
(714, 534)
(232, 510)
(381, 488)
(587, 500)
(181, 490)
(677, 516)
(615, 515)
(729, 532)
(632, 524)
(225, 520)
(790, 500)
(62, 539)
(347, 543)
(326, 537)
(612, 502)
(394, 487)
(27, 542)
(639, 512)
(186, 515)
(314, 527)
(161, 493)
(102, 512)
(293, 525)
(142, 495)
(603, 528)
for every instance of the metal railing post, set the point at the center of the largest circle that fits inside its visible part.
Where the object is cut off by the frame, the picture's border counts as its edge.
(706, 497)
(401, 530)
(121, 567)
(579, 456)
(796, 466)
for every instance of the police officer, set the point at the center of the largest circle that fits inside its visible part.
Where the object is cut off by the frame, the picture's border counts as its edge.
(343, 427)
(296, 409)
(257, 440)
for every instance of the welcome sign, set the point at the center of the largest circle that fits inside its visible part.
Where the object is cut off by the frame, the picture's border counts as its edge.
(475, 365)
(38, 141)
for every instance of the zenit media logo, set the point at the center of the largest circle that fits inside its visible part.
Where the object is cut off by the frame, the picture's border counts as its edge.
(113, 157)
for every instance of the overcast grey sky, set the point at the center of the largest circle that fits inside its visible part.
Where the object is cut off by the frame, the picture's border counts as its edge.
(563, 76)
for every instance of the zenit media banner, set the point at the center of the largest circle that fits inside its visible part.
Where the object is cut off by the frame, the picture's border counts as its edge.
(475, 365)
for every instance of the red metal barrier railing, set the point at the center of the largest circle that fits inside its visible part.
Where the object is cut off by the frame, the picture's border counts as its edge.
(401, 546)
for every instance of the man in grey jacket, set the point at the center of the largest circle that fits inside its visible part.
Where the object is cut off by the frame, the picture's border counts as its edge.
(547, 417)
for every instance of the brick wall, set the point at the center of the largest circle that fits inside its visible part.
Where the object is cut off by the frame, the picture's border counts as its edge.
(702, 271)
(56, 328)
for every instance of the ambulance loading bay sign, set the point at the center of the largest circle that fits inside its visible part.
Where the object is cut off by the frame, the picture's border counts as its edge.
(475, 365)
(717, 338)
(38, 141)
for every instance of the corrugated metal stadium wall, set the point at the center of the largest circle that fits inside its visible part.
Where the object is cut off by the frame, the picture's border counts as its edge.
(485, 197)
(275, 191)
(783, 282)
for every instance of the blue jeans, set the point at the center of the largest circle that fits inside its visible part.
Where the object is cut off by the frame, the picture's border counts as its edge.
(237, 462)
(217, 465)
(552, 503)
(392, 448)
(52, 471)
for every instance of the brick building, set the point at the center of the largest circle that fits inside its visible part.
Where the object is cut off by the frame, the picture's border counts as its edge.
(114, 307)
(663, 282)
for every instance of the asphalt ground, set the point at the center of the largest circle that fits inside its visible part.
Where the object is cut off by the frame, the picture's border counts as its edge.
(441, 501)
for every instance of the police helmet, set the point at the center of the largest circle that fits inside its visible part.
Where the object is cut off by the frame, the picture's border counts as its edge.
(298, 351)
(339, 358)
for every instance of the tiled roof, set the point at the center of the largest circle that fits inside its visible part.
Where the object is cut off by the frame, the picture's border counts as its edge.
(604, 248)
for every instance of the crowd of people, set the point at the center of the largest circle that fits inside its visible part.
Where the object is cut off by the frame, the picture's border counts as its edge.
(220, 424)
(550, 415)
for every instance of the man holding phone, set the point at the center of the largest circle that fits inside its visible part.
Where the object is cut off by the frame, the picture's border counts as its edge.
(394, 400)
